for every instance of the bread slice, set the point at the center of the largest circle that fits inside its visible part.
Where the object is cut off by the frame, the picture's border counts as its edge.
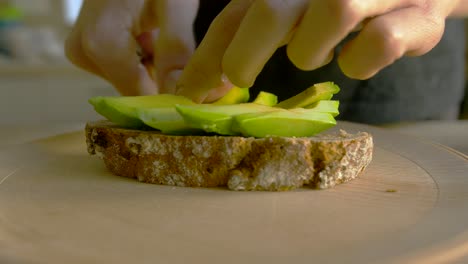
(263, 164)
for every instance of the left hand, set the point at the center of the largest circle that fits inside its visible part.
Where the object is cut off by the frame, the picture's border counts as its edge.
(109, 34)
(246, 33)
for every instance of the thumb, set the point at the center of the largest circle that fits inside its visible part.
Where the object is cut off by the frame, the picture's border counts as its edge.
(175, 43)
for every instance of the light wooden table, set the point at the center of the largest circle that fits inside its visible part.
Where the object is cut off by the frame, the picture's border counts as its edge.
(19, 134)
(59, 205)
(453, 134)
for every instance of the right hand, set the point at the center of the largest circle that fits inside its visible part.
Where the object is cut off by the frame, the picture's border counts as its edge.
(246, 34)
(109, 33)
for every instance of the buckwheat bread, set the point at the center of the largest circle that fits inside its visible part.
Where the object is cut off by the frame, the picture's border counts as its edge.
(266, 164)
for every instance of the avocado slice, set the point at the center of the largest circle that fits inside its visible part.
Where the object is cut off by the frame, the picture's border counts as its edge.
(299, 123)
(326, 106)
(235, 96)
(315, 93)
(265, 98)
(167, 120)
(123, 110)
(217, 118)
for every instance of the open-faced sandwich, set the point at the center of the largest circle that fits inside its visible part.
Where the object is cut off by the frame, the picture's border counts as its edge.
(259, 145)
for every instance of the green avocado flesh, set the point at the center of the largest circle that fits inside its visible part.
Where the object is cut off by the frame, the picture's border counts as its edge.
(304, 123)
(303, 115)
(235, 96)
(326, 106)
(315, 93)
(167, 120)
(265, 98)
(124, 110)
(217, 118)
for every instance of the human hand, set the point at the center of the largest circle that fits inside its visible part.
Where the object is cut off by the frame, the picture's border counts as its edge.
(109, 33)
(247, 32)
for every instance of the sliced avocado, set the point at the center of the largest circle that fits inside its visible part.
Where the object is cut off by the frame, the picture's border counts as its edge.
(315, 93)
(265, 98)
(217, 118)
(302, 123)
(326, 106)
(167, 120)
(235, 96)
(123, 110)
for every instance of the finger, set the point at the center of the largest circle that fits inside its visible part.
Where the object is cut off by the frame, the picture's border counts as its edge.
(176, 42)
(75, 54)
(204, 71)
(264, 27)
(387, 38)
(115, 54)
(116, 57)
(74, 49)
(326, 23)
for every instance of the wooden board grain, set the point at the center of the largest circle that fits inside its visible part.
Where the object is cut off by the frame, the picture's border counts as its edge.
(59, 205)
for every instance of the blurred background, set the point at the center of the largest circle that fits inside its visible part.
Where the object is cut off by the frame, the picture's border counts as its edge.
(37, 83)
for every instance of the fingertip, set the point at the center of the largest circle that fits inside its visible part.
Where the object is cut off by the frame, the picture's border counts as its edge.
(198, 78)
(353, 71)
(293, 56)
(307, 63)
(236, 73)
(195, 97)
(329, 58)
(135, 81)
(189, 84)
(183, 89)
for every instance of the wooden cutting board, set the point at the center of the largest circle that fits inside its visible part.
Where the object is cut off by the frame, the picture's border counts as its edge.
(60, 205)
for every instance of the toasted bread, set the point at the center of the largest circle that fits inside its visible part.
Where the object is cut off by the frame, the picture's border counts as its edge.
(239, 163)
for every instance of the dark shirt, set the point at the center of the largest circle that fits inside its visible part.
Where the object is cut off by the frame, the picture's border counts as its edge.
(413, 88)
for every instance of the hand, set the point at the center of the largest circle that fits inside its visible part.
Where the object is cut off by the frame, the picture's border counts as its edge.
(247, 32)
(109, 34)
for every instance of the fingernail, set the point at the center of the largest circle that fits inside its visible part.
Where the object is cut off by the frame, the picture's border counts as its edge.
(219, 91)
(170, 84)
(225, 80)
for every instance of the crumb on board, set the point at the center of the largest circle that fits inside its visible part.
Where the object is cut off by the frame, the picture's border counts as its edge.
(391, 190)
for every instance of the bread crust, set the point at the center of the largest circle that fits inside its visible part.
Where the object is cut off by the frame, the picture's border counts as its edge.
(248, 164)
